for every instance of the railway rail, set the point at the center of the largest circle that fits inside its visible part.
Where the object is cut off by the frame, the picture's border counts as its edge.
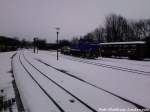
(52, 99)
(61, 110)
(73, 76)
(135, 71)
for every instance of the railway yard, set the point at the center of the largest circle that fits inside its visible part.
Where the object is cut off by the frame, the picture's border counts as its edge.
(74, 56)
(73, 84)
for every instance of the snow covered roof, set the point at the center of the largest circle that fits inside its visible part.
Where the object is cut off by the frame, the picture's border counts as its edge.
(132, 42)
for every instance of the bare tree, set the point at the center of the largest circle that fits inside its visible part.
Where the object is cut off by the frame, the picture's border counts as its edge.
(75, 40)
(116, 28)
(141, 29)
(100, 34)
(89, 37)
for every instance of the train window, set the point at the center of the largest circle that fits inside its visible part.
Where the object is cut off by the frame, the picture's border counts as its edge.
(115, 46)
(133, 45)
(102, 46)
(125, 46)
(119, 46)
(109, 45)
(122, 46)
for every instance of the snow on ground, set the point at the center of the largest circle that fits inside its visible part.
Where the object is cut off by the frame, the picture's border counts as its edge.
(5, 78)
(132, 86)
(55, 92)
(132, 64)
(122, 62)
(87, 93)
(33, 98)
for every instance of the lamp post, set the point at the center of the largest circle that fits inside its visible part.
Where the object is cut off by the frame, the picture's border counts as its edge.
(57, 31)
(35, 43)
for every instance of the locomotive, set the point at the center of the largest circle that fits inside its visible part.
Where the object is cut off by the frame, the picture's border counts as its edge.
(84, 50)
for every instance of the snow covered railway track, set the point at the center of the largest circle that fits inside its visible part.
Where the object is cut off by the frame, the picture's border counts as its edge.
(95, 86)
(61, 110)
(76, 89)
(135, 71)
(79, 101)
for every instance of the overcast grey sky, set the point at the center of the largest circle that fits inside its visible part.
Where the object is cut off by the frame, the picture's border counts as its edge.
(30, 18)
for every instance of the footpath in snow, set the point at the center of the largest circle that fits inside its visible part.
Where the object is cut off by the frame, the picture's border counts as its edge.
(6, 88)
